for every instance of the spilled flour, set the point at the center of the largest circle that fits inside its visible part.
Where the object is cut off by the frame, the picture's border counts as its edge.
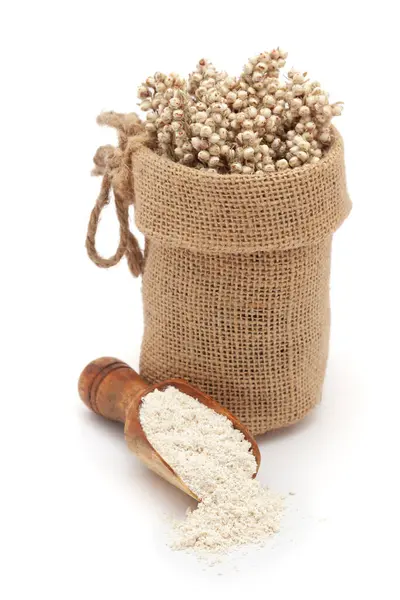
(216, 463)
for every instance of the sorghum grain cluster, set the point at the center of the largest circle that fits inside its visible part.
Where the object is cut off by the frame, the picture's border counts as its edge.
(255, 123)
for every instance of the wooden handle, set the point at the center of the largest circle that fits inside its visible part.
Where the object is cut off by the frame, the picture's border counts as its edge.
(107, 386)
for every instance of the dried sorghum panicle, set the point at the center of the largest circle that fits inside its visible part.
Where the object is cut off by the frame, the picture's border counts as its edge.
(256, 123)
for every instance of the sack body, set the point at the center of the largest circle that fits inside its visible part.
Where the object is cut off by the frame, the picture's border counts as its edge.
(236, 281)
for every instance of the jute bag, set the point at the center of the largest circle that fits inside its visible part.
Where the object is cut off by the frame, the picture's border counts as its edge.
(235, 275)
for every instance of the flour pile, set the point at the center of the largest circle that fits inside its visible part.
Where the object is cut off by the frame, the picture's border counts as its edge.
(215, 461)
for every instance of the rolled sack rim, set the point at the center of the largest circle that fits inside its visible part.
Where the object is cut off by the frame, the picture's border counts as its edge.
(232, 213)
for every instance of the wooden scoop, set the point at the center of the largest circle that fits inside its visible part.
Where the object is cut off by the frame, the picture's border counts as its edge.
(112, 389)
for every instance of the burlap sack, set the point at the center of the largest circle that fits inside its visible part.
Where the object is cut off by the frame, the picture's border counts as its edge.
(236, 281)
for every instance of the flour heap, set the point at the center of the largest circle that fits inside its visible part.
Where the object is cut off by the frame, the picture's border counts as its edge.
(215, 461)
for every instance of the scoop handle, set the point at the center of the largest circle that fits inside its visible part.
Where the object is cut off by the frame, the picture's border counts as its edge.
(107, 386)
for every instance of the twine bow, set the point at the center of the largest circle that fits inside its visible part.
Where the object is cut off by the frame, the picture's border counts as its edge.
(114, 164)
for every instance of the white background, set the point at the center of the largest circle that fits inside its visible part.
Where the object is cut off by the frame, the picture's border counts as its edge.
(80, 518)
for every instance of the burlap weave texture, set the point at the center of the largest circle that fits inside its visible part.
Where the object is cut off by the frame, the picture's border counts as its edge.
(236, 281)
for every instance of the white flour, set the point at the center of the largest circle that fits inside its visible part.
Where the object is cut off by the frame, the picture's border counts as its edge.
(214, 460)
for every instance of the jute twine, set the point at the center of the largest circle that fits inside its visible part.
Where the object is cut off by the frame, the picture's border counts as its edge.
(236, 278)
(114, 164)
